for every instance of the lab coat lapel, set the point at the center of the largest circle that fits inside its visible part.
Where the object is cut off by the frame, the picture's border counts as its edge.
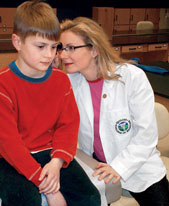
(86, 100)
(107, 91)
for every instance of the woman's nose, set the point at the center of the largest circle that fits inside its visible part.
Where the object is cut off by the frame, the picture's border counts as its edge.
(63, 54)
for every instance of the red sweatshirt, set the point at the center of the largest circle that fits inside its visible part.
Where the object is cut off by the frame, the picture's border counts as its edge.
(36, 114)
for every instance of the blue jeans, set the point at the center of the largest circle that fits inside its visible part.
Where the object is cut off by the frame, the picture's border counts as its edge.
(44, 200)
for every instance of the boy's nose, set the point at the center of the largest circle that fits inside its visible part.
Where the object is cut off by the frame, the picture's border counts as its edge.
(49, 53)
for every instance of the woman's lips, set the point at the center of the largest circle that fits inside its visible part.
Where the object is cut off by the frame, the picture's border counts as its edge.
(68, 64)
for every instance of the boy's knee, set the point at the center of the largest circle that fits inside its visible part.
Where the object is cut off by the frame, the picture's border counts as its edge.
(23, 193)
(20, 200)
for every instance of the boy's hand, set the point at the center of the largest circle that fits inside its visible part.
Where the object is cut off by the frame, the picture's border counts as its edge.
(107, 173)
(51, 175)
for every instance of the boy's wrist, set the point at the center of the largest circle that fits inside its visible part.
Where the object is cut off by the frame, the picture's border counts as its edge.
(58, 161)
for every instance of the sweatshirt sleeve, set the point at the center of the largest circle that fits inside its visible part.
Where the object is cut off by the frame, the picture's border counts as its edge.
(12, 148)
(66, 133)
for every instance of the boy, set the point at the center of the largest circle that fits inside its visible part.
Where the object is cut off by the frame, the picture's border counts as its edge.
(39, 119)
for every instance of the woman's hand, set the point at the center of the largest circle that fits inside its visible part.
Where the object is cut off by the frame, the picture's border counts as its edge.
(51, 175)
(107, 173)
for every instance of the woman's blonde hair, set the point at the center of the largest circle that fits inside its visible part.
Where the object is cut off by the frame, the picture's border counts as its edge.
(36, 17)
(92, 33)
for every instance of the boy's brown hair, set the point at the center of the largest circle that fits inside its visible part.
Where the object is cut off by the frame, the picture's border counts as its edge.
(36, 17)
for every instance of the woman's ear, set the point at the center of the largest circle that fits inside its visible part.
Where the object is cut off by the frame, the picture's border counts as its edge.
(16, 41)
(95, 52)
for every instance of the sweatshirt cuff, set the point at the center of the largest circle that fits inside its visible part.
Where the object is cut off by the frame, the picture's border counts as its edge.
(66, 156)
(35, 177)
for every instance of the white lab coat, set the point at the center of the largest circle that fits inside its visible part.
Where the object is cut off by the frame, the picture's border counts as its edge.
(128, 127)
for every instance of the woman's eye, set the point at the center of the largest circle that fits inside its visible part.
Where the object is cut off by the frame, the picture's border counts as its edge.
(71, 48)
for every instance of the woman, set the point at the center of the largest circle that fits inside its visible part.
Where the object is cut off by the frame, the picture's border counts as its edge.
(116, 105)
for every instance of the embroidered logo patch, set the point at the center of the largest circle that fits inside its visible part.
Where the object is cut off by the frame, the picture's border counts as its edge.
(123, 126)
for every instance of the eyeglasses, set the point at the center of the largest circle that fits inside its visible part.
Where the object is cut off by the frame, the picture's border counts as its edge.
(69, 48)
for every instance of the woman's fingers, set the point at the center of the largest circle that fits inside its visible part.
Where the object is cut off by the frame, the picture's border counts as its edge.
(106, 173)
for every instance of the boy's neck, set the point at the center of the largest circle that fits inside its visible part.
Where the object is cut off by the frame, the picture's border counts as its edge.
(27, 72)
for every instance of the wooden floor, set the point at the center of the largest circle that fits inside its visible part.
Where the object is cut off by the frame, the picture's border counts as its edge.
(162, 100)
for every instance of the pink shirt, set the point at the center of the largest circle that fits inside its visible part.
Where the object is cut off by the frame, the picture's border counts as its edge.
(96, 91)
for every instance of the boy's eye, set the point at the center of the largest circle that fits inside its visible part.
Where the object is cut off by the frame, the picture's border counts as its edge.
(40, 46)
(54, 47)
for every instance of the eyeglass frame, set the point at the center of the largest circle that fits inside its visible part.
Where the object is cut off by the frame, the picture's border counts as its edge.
(73, 48)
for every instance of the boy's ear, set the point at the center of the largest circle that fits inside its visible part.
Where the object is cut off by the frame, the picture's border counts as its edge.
(16, 41)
